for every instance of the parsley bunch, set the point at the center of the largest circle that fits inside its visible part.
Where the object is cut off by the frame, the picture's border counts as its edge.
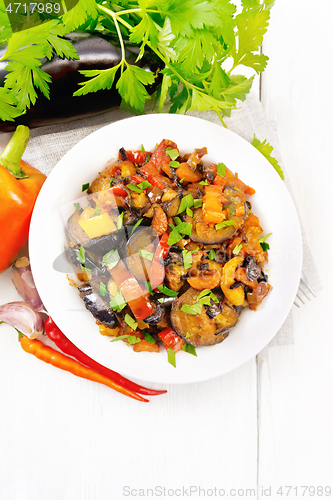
(199, 44)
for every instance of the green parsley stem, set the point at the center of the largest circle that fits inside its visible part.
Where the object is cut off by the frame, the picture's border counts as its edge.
(115, 20)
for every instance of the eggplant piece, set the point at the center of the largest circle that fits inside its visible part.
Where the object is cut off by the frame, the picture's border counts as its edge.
(95, 52)
(139, 266)
(96, 305)
(200, 329)
(100, 245)
(175, 272)
(253, 270)
(171, 207)
(157, 316)
(96, 266)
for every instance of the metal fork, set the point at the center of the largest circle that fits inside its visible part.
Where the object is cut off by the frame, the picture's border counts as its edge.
(303, 290)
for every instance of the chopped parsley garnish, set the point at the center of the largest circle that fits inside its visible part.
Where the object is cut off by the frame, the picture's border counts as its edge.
(149, 338)
(182, 180)
(120, 220)
(131, 339)
(102, 289)
(111, 259)
(97, 211)
(171, 357)
(111, 179)
(187, 259)
(212, 254)
(81, 255)
(264, 246)
(174, 237)
(189, 212)
(117, 303)
(145, 254)
(85, 269)
(130, 321)
(192, 309)
(190, 349)
(204, 183)
(205, 297)
(148, 156)
(173, 153)
(136, 225)
(149, 287)
(237, 249)
(77, 206)
(85, 187)
(164, 289)
(177, 220)
(186, 202)
(133, 187)
(225, 223)
(144, 185)
(198, 203)
(174, 164)
(184, 228)
(142, 148)
(161, 300)
(221, 167)
(187, 335)
(232, 210)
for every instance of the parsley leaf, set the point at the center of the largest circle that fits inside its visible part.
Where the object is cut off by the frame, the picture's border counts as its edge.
(264, 246)
(136, 225)
(131, 86)
(111, 259)
(81, 255)
(102, 289)
(190, 349)
(171, 357)
(192, 309)
(117, 303)
(212, 254)
(145, 254)
(130, 321)
(237, 249)
(186, 202)
(173, 153)
(164, 289)
(149, 338)
(221, 168)
(266, 149)
(225, 223)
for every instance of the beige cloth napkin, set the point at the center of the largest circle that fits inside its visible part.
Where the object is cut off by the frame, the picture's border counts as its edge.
(49, 144)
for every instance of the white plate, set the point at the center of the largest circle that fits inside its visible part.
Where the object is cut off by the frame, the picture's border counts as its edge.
(272, 203)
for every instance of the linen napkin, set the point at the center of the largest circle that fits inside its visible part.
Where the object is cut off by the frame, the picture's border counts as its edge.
(49, 144)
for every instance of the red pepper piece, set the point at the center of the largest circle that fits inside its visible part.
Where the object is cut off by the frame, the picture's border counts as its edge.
(137, 179)
(134, 294)
(164, 244)
(170, 339)
(66, 346)
(157, 272)
(138, 157)
(118, 190)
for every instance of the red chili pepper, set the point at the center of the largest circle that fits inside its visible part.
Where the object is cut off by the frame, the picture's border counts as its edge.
(170, 339)
(59, 360)
(118, 190)
(66, 346)
(134, 294)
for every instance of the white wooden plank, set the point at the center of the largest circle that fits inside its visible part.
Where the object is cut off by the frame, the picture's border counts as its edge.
(296, 381)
